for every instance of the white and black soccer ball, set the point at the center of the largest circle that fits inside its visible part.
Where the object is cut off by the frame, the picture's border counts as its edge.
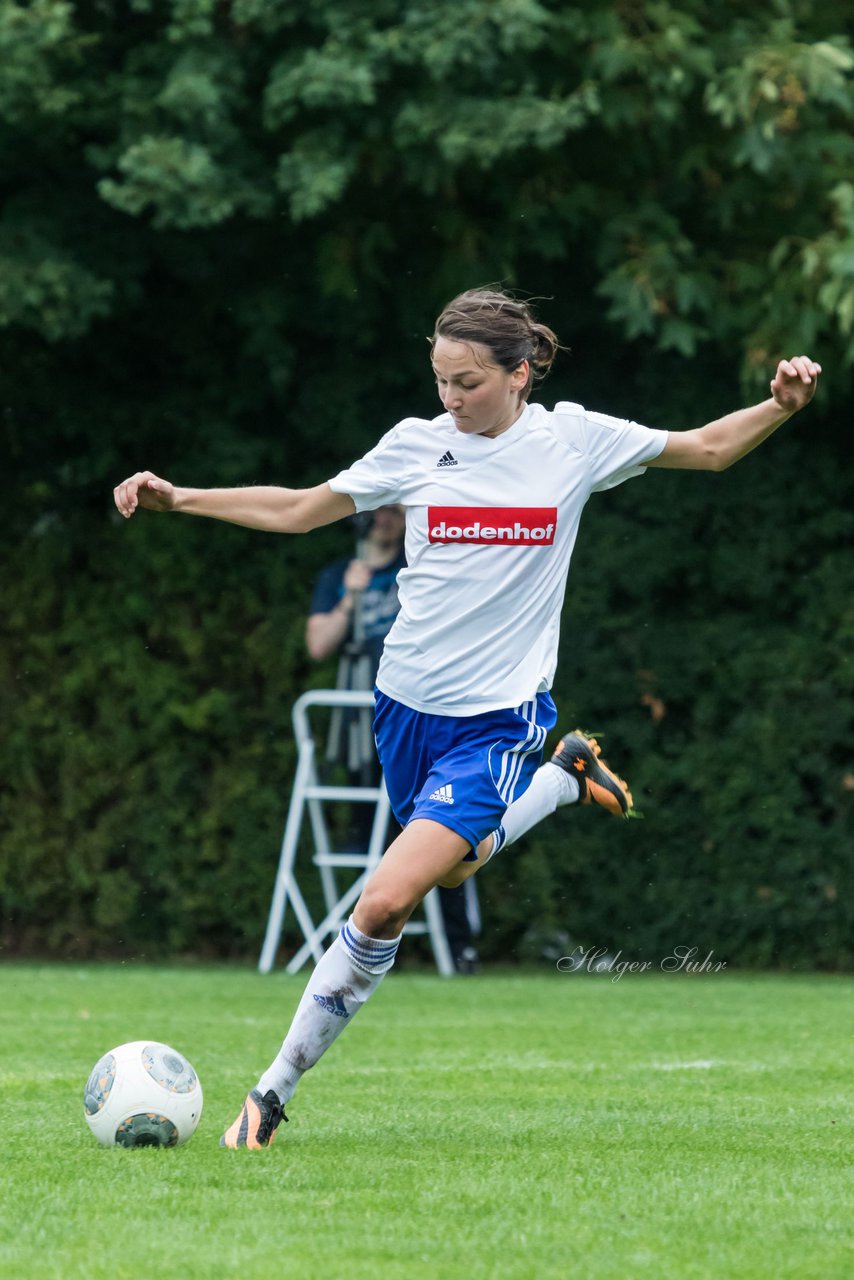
(142, 1094)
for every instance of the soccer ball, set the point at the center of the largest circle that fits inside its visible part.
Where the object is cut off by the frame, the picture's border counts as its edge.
(142, 1094)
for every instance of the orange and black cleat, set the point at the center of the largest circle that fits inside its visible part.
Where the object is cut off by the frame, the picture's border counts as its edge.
(580, 756)
(257, 1123)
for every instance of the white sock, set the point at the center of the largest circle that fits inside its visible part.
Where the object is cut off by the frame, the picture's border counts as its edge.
(348, 973)
(550, 788)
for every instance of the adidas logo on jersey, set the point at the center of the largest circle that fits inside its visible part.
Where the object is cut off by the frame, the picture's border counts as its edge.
(447, 460)
(445, 794)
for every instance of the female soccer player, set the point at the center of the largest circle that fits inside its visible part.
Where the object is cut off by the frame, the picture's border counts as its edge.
(493, 490)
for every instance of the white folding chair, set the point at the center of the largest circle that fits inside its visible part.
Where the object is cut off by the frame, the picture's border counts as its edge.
(309, 793)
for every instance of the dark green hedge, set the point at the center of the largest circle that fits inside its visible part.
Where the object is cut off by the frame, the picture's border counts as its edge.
(149, 669)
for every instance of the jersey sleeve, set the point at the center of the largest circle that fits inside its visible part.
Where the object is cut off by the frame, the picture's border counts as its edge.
(376, 480)
(615, 448)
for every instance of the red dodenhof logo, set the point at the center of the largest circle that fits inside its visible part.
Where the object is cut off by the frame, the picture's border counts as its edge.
(493, 526)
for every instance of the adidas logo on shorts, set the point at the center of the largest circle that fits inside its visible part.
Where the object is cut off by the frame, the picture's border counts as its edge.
(445, 794)
(447, 460)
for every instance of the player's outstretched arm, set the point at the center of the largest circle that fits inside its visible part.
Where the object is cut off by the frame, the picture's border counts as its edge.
(719, 444)
(266, 507)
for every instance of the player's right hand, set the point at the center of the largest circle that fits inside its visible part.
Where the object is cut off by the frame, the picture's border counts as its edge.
(144, 490)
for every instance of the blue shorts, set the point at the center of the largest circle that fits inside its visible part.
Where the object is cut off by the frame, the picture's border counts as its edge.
(462, 771)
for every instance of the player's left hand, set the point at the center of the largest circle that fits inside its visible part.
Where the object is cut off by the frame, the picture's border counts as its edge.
(794, 383)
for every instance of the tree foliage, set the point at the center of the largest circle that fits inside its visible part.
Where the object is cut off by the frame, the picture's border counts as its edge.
(225, 230)
(698, 155)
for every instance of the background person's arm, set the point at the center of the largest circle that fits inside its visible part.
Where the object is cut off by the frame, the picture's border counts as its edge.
(325, 632)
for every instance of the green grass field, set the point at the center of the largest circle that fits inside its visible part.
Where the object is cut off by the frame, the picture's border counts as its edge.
(515, 1125)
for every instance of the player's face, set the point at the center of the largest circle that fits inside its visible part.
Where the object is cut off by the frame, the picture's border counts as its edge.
(482, 398)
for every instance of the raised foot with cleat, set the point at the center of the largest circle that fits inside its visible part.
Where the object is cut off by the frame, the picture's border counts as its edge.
(580, 755)
(257, 1123)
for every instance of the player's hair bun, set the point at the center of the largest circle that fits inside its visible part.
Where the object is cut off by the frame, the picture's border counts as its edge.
(545, 348)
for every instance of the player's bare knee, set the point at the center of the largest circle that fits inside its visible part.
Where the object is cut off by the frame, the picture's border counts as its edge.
(382, 912)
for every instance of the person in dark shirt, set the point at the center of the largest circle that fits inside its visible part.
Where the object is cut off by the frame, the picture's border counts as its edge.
(370, 582)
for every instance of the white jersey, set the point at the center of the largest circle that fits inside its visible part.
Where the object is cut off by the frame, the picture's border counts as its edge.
(490, 528)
